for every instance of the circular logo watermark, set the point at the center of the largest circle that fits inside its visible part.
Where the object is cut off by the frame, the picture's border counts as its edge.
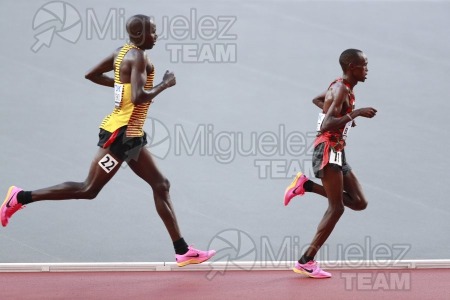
(59, 18)
(233, 246)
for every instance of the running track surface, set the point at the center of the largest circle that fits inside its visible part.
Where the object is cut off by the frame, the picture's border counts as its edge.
(345, 284)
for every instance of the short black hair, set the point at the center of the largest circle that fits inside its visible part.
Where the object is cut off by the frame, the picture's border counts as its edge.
(347, 57)
(136, 25)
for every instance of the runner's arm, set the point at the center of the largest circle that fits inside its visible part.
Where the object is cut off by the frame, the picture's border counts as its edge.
(333, 106)
(319, 100)
(139, 77)
(97, 73)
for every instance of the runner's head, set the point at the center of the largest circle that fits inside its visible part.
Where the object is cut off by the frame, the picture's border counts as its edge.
(354, 64)
(142, 31)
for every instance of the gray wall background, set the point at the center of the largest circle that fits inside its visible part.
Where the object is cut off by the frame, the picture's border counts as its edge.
(287, 53)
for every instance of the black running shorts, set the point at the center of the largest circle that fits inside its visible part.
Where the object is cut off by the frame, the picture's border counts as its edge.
(122, 147)
(318, 158)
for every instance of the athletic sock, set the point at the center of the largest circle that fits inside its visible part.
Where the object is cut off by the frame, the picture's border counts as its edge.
(180, 246)
(24, 197)
(304, 259)
(308, 185)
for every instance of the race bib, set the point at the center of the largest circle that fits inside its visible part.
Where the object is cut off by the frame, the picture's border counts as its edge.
(319, 121)
(107, 163)
(118, 91)
(335, 157)
(346, 129)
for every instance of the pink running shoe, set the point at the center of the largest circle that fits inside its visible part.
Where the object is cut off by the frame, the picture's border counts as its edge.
(296, 188)
(311, 269)
(193, 256)
(10, 205)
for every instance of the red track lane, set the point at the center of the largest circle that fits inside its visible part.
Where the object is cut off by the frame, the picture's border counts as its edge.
(345, 284)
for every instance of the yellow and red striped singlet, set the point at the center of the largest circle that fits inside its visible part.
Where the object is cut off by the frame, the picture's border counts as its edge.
(125, 112)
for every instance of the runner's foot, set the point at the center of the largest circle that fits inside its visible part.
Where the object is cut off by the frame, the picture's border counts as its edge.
(10, 205)
(296, 188)
(311, 269)
(193, 256)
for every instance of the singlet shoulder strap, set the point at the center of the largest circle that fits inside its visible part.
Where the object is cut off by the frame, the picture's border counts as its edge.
(351, 96)
(340, 79)
(119, 59)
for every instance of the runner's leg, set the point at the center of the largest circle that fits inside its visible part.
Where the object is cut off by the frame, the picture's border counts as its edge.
(88, 189)
(333, 184)
(353, 195)
(146, 168)
(356, 199)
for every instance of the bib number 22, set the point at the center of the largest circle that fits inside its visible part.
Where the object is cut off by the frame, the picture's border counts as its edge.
(108, 163)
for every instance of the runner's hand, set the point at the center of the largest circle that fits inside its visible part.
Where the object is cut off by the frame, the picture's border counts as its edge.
(367, 112)
(169, 79)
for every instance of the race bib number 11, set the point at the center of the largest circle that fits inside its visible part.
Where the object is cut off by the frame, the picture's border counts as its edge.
(335, 157)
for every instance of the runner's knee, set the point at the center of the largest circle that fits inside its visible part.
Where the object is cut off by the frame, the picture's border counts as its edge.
(162, 186)
(88, 192)
(362, 204)
(337, 210)
(356, 201)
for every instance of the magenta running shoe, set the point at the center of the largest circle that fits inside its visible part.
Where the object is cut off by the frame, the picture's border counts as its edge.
(10, 205)
(296, 188)
(311, 269)
(193, 256)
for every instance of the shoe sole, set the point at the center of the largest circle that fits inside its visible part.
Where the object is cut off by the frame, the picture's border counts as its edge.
(290, 188)
(3, 216)
(309, 274)
(193, 261)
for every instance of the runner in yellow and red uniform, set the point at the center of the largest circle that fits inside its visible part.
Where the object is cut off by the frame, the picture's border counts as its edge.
(121, 137)
(339, 183)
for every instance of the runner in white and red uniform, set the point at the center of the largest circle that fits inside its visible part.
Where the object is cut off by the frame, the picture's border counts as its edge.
(339, 184)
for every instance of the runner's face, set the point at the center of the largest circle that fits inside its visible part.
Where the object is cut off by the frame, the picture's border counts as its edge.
(360, 69)
(150, 35)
